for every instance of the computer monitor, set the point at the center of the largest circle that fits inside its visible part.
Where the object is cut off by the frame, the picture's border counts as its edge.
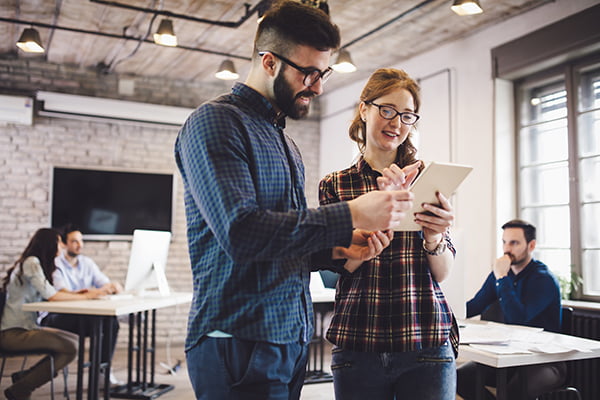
(147, 262)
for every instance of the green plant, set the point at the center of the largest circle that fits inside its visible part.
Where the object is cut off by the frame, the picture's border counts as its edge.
(569, 284)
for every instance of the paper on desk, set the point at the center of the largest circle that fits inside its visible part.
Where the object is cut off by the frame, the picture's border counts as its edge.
(514, 339)
(494, 333)
(501, 349)
(482, 334)
(570, 343)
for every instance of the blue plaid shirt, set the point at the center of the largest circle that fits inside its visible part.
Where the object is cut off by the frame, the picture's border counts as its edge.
(251, 238)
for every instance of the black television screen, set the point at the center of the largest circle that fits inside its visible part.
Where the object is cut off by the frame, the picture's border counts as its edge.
(103, 203)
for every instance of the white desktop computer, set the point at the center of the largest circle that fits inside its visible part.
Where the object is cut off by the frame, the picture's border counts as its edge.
(147, 262)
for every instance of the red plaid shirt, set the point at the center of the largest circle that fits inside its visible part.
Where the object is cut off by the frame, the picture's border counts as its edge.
(391, 303)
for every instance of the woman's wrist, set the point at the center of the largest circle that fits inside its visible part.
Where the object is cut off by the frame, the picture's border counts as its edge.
(431, 243)
(434, 248)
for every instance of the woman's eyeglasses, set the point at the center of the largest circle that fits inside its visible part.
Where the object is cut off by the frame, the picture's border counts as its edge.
(387, 112)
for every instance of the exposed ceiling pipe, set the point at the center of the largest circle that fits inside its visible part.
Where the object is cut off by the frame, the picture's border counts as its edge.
(115, 36)
(391, 21)
(260, 6)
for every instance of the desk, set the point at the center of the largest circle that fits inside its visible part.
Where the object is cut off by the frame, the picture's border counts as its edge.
(522, 346)
(104, 310)
(323, 299)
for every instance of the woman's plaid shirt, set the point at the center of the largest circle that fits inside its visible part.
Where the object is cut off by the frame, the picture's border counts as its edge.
(391, 303)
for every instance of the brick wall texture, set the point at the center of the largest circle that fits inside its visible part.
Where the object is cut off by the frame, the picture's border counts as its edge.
(28, 154)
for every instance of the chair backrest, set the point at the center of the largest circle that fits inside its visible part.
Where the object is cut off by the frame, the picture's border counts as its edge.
(329, 278)
(2, 302)
(566, 325)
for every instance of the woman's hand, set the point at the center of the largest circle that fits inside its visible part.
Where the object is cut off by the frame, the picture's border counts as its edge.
(365, 245)
(396, 178)
(436, 220)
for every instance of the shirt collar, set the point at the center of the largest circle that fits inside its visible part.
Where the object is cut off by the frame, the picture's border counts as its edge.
(363, 167)
(64, 259)
(525, 271)
(259, 103)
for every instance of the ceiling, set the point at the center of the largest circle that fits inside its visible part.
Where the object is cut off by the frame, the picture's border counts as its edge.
(376, 32)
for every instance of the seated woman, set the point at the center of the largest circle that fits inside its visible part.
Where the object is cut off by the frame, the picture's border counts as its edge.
(30, 280)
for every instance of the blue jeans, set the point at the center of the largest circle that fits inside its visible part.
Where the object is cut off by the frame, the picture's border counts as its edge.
(235, 369)
(428, 374)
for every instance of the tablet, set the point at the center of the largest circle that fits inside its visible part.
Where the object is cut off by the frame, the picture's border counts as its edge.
(436, 177)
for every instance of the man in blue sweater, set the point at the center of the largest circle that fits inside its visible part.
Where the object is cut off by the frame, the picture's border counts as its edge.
(520, 290)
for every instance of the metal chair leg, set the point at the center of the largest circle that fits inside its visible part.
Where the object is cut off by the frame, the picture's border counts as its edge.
(65, 376)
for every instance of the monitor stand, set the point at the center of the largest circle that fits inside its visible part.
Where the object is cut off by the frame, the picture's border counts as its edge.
(161, 280)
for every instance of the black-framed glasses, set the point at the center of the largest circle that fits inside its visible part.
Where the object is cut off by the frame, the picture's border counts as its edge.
(311, 74)
(388, 112)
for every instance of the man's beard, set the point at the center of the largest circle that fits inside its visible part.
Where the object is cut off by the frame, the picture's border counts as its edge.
(514, 260)
(286, 101)
(71, 254)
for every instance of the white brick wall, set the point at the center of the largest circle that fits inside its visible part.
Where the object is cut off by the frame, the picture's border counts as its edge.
(28, 153)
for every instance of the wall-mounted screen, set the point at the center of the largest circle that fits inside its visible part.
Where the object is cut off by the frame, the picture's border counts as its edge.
(111, 203)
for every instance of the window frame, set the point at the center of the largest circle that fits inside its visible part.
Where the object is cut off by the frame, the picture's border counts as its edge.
(570, 72)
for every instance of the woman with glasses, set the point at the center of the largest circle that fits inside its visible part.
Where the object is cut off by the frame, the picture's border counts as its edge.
(393, 332)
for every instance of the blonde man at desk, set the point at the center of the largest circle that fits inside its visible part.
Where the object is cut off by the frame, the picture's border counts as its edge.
(78, 273)
(520, 290)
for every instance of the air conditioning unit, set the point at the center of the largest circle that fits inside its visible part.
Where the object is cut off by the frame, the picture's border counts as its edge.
(16, 110)
(87, 107)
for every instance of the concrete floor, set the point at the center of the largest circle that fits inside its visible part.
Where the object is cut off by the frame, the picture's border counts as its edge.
(182, 390)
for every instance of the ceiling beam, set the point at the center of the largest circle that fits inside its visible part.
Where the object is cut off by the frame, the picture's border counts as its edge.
(123, 37)
(261, 6)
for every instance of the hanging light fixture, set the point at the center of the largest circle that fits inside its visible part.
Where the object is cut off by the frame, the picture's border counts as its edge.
(466, 7)
(344, 62)
(30, 41)
(227, 71)
(165, 35)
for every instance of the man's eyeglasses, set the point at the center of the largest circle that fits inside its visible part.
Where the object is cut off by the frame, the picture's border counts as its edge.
(311, 75)
(387, 112)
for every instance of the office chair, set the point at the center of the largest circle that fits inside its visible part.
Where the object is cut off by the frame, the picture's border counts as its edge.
(494, 313)
(566, 392)
(5, 354)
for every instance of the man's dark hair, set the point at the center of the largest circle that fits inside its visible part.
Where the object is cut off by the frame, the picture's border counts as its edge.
(528, 229)
(66, 229)
(289, 23)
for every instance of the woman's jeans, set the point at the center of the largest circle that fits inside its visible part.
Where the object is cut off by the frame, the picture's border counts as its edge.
(232, 369)
(428, 374)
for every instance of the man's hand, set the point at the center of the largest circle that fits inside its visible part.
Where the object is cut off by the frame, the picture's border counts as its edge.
(112, 288)
(380, 210)
(94, 293)
(365, 245)
(501, 266)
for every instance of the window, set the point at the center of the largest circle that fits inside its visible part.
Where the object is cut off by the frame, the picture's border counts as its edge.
(559, 168)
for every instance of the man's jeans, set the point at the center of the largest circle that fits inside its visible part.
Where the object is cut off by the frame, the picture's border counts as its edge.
(234, 369)
(428, 374)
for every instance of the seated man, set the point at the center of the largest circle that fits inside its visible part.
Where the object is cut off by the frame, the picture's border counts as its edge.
(78, 273)
(525, 292)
